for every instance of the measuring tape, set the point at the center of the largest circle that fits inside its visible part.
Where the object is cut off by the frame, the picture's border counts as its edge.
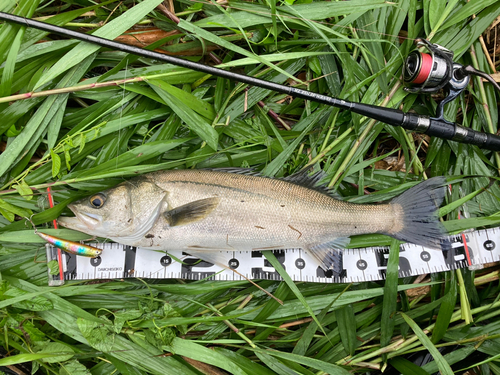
(118, 261)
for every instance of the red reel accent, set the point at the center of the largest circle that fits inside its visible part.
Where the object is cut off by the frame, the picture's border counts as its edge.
(425, 68)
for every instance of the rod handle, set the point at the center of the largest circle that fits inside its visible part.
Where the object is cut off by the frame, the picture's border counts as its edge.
(452, 131)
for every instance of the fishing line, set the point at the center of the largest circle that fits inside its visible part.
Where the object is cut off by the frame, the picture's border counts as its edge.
(433, 126)
(71, 247)
(121, 115)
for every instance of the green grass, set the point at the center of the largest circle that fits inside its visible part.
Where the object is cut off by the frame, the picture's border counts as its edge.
(113, 115)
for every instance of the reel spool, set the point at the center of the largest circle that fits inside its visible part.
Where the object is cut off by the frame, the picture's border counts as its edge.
(429, 72)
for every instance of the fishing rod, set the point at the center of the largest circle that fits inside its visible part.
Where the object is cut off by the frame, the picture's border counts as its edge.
(422, 72)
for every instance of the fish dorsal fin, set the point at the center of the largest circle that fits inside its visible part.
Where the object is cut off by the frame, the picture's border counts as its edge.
(191, 212)
(301, 178)
(236, 170)
(304, 179)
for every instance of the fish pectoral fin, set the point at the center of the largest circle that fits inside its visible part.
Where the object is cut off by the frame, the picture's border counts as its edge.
(329, 254)
(191, 212)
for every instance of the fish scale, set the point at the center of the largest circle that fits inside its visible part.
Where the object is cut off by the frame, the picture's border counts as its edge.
(250, 215)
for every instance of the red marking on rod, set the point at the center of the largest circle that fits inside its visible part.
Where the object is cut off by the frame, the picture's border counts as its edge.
(59, 255)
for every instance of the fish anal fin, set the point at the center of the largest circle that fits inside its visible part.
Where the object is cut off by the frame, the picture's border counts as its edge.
(191, 212)
(329, 254)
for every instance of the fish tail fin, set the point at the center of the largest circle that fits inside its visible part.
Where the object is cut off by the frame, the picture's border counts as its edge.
(420, 220)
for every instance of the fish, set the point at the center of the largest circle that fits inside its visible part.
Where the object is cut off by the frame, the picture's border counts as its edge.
(203, 212)
(70, 246)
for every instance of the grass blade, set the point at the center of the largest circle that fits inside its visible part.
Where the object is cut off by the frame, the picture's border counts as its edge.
(194, 121)
(41, 119)
(109, 31)
(390, 294)
(443, 366)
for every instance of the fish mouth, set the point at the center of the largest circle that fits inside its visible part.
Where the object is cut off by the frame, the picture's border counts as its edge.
(82, 221)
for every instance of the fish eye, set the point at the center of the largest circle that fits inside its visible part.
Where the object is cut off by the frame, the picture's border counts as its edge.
(97, 201)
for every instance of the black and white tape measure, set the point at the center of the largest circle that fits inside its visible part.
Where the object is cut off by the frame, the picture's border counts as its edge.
(471, 249)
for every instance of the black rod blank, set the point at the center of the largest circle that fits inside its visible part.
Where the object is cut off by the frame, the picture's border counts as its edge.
(395, 117)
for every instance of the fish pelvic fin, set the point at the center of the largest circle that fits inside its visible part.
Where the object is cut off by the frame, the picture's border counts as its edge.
(191, 212)
(419, 220)
(329, 254)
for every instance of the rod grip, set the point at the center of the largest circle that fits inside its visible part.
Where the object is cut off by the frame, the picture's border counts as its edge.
(452, 131)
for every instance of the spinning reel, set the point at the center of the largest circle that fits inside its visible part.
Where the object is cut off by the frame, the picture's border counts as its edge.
(430, 72)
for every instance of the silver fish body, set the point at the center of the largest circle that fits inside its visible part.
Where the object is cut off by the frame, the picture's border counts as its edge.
(204, 211)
